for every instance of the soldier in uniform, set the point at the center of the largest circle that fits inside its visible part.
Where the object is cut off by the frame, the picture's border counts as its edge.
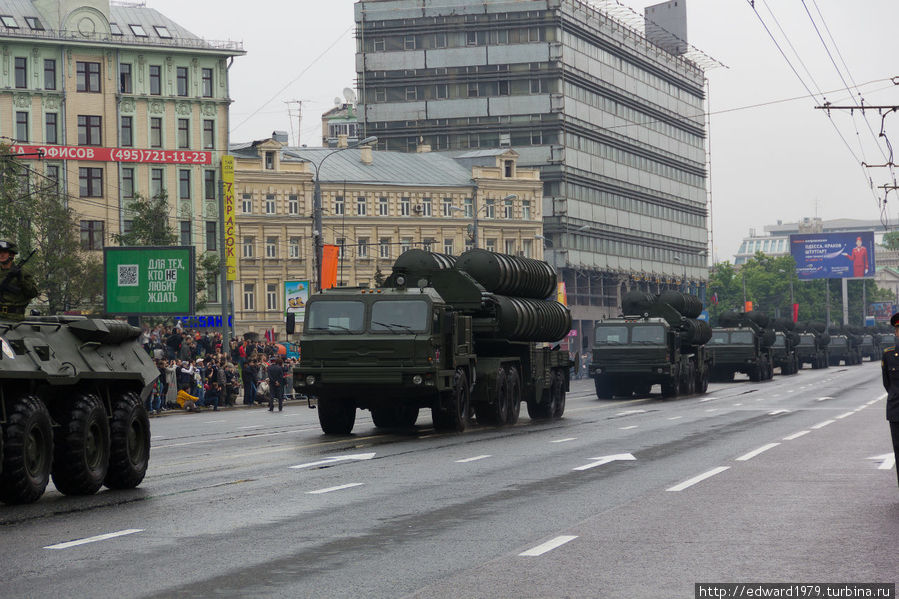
(889, 363)
(17, 288)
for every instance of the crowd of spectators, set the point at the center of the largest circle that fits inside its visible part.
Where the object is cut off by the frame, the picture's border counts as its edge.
(199, 370)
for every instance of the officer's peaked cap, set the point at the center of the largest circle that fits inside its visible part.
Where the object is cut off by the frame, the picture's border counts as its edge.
(894, 319)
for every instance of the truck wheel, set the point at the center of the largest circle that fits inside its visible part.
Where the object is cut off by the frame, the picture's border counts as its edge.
(336, 415)
(688, 382)
(81, 458)
(514, 382)
(642, 388)
(455, 415)
(702, 381)
(557, 392)
(496, 413)
(28, 451)
(669, 389)
(603, 388)
(129, 453)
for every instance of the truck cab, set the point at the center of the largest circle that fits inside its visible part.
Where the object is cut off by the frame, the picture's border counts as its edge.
(739, 349)
(809, 351)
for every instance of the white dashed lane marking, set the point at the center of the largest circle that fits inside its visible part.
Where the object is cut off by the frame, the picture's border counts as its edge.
(474, 459)
(696, 479)
(755, 452)
(337, 488)
(547, 546)
(796, 435)
(822, 424)
(103, 537)
(565, 440)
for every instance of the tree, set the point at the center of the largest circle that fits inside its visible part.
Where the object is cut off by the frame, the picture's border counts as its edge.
(149, 223)
(891, 240)
(207, 270)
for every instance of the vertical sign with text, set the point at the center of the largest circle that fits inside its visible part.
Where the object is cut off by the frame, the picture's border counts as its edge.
(230, 227)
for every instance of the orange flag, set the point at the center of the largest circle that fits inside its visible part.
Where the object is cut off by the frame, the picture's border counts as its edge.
(330, 255)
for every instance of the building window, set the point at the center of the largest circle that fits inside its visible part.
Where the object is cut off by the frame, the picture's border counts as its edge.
(211, 235)
(89, 130)
(426, 207)
(53, 174)
(156, 187)
(405, 206)
(249, 296)
(379, 44)
(469, 244)
(49, 73)
(363, 247)
(293, 204)
(338, 206)
(527, 248)
(472, 90)
(51, 131)
(155, 79)
(181, 80)
(115, 29)
(209, 184)
(271, 296)
(246, 204)
(427, 244)
(92, 235)
(383, 207)
(270, 207)
(90, 182)
(127, 182)
(490, 209)
(509, 168)
(88, 76)
(491, 245)
(138, 30)
(212, 290)
(525, 209)
(207, 82)
(405, 244)
(162, 31)
(208, 134)
(384, 248)
(360, 206)
(155, 131)
(22, 126)
(125, 78)
(127, 139)
(184, 184)
(271, 247)
(35, 23)
(447, 206)
(248, 247)
(9, 21)
(269, 161)
(468, 208)
(183, 133)
(507, 209)
(411, 93)
(21, 68)
(185, 233)
(510, 247)
(448, 247)
(409, 42)
(293, 248)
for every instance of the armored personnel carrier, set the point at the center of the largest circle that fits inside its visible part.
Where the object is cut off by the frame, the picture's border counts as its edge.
(72, 393)
(454, 335)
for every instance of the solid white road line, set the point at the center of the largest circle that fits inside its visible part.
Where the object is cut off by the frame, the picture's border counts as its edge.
(844, 415)
(474, 459)
(628, 412)
(755, 452)
(253, 426)
(692, 481)
(338, 488)
(796, 435)
(547, 546)
(822, 424)
(110, 535)
(675, 417)
(824, 398)
(627, 428)
(565, 440)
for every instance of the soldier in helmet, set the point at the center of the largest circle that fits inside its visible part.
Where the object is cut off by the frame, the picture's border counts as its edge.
(17, 288)
(889, 364)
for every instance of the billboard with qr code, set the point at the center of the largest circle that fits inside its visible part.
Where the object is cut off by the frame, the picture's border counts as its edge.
(157, 280)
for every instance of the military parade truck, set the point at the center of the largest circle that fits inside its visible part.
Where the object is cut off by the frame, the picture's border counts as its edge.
(845, 347)
(783, 351)
(72, 393)
(813, 343)
(742, 343)
(444, 333)
(870, 346)
(656, 340)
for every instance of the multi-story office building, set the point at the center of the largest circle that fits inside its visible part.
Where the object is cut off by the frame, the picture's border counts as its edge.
(613, 121)
(122, 100)
(375, 205)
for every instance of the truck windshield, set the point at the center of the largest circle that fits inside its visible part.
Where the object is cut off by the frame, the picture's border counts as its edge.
(334, 315)
(648, 334)
(838, 342)
(719, 338)
(399, 315)
(611, 335)
(806, 340)
(741, 338)
(779, 341)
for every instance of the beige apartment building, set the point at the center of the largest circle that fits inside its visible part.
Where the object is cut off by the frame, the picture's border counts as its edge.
(121, 100)
(376, 205)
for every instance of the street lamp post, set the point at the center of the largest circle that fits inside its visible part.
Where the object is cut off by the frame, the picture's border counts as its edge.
(317, 226)
(683, 285)
(475, 211)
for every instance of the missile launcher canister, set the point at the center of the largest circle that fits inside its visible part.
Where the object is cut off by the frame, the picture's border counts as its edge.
(73, 392)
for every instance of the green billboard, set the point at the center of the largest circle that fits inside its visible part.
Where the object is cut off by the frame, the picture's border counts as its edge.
(150, 280)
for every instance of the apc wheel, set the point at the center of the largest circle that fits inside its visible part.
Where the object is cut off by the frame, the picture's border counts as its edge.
(81, 459)
(28, 451)
(514, 382)
(557, 392)
(396, 416)
(603, 388)
(336, 415)
(455, 415)
(497, 412)
(129, 433)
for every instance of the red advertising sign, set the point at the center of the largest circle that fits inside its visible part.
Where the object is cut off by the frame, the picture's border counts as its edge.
(113, 154)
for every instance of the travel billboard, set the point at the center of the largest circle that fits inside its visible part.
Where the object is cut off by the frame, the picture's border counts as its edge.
(833, 255)
(296, 294)
(150, 280)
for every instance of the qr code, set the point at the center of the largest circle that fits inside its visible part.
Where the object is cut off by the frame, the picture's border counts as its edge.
(127, 275)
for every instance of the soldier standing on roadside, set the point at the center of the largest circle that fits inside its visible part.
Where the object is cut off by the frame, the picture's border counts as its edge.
(17, 287)
(889, 364)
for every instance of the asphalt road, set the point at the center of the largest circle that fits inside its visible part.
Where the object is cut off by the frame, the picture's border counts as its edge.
(751, 482)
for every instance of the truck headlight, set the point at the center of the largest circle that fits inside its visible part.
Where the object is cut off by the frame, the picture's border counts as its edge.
(310, 380)
(416, 379)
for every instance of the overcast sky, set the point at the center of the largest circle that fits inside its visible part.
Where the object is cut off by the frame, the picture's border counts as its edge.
(774, 157)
